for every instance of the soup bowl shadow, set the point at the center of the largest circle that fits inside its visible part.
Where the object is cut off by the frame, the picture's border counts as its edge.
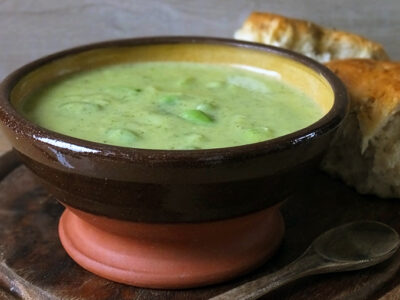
(172, 218)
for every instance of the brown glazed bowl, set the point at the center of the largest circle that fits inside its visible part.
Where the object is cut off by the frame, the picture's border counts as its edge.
(207, 211)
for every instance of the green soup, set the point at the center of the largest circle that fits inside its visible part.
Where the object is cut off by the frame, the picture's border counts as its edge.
(171, 105)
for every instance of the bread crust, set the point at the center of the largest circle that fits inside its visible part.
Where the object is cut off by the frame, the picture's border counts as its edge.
(365, 151)
(322, 44)
(374, 90)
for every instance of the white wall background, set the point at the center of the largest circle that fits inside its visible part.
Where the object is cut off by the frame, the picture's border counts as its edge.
(32, 28)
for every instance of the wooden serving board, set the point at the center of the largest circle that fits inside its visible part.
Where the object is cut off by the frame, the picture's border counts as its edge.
(34, 265)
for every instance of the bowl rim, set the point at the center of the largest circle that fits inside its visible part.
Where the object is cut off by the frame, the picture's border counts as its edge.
(11, 118)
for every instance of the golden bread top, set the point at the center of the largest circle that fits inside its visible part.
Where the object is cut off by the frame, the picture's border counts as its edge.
(315, 41)
(374, 89)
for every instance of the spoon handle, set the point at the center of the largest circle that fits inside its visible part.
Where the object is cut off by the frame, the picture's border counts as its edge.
(305, 265)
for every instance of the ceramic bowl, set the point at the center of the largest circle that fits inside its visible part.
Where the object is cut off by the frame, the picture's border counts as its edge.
(172, 218)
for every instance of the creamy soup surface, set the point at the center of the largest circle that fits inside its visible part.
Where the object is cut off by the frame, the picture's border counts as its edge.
(171, 105)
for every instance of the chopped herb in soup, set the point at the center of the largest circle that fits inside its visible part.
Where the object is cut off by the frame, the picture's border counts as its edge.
(171, 105)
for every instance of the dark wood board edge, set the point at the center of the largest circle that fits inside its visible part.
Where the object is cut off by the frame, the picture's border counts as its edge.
(15, 287)
(8, 162)
(11, 284)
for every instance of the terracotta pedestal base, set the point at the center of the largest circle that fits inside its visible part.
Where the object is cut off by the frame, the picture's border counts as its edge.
(170, 255)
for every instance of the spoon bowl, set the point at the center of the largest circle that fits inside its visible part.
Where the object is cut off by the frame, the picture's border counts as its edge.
(357, 245)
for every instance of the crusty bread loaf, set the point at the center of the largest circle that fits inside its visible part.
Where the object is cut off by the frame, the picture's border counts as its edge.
(365, 152)
(317, 42)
